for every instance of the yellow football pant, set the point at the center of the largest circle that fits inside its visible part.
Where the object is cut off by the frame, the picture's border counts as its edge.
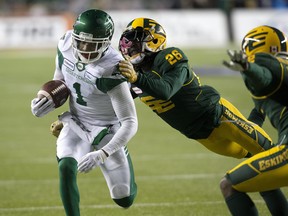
(265, 171)
(236, 136)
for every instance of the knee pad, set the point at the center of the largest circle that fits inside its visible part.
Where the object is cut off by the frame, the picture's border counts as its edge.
(127, 201)
(226, 187)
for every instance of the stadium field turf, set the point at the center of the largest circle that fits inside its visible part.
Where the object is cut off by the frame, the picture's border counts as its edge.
(175, 176)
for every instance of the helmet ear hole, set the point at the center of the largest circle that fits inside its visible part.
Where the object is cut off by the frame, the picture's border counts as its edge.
(155, 41)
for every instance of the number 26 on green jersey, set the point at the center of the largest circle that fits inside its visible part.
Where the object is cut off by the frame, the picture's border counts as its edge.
(173, 57)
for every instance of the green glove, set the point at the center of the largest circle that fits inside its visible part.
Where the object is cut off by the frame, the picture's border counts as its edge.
(238, 60)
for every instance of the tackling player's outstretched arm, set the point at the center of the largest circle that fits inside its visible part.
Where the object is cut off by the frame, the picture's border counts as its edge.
(238, 60)
(165, 87)
(256, 75)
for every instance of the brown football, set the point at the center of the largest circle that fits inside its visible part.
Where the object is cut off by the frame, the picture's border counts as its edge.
(55, 90)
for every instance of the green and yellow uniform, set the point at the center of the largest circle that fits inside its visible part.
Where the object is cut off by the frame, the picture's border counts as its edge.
(265, 79)
(168, 85)
(174, 92)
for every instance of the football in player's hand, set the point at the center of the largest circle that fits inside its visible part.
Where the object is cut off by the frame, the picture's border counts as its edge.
(55, 90)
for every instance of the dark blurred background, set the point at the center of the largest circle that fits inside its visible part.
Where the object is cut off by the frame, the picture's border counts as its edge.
(54, 7)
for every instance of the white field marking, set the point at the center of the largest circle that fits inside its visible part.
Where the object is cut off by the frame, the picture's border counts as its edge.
(176, 156)
(136, 205)
(140, 178)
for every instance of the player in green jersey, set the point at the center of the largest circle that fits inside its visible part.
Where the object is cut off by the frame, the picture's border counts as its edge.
(162, 78)
(264, 67)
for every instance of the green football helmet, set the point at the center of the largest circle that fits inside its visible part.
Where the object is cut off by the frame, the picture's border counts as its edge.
(92, 34)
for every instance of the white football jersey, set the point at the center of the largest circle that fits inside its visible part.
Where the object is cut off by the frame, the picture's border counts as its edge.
(89, 83)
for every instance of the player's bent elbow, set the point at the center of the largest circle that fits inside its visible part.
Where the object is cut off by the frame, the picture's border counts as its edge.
(134, 128)
(131, 124)
(164, 96)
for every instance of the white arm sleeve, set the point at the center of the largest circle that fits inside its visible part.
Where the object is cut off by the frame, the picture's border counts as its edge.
(58, 73)
(125, 110)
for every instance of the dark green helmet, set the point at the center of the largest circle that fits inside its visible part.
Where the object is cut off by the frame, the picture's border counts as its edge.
(92, 34)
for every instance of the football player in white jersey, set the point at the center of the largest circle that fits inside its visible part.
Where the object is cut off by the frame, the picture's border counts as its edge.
(102, 116)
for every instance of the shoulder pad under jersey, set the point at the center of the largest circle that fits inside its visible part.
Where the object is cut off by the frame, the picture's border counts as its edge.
(65, 41)
(262, 57)
(169, 58)
(108, 64)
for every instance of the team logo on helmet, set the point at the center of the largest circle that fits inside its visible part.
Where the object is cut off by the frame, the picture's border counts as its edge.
(264, 39)
(142, 37)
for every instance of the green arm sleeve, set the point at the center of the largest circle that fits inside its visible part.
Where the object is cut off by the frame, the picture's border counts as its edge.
(167, 85)
(260, 77)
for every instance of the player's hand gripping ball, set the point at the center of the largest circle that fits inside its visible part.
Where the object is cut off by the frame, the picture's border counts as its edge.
(55, 90)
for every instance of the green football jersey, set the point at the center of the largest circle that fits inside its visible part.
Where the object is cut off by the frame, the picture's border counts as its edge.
(267, 77)
(89, 84)
(174, 92)
(277, 115)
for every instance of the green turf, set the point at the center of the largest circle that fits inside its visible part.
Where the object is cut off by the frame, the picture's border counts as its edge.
(175, 176)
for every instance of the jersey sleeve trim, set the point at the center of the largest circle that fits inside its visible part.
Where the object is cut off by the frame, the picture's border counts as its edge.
(106, 84)
(60, 58)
